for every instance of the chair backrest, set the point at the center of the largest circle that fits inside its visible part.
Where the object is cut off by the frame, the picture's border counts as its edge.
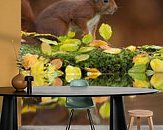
(79, 83)
(79, 102)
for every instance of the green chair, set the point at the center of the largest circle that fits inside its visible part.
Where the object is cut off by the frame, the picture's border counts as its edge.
(79, 103)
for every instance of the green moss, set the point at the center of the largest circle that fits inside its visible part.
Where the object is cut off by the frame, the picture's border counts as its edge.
(104, 62)
(32, 49)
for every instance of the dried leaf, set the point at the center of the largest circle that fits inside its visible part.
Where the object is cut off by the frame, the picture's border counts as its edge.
(100, 99)
(57, 63)
(92, 73)
(98, 43)
(57, 82)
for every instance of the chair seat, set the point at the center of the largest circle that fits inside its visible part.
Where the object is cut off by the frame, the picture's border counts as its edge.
(79, 102)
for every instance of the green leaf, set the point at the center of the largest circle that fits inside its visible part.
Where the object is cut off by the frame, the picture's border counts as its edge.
(87, 38)
(46, 48)
(152, 47)
(62, 100)
(105, 110)
(86, 49)
(82, 57)
(69, 47)
(62, 38)
(138, 76)
(149, 72)
(71, 34)
(48, 41)
(72, 41)
(105, 31)
(138, 68)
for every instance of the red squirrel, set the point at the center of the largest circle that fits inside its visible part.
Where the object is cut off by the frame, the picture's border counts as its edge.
(64, 15)
(69, 15)
(27, 16)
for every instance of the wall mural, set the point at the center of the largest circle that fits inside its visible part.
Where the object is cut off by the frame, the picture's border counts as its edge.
(65, 40)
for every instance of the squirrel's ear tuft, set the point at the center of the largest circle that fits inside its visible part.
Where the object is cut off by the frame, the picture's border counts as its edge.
(105, 1)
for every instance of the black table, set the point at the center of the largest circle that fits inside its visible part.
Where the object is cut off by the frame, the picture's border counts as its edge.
(117, 116)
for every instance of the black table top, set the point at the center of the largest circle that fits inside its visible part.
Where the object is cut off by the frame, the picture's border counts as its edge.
(77, 91)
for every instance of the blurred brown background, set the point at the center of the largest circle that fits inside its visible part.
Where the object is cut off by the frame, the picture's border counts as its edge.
(136, 22)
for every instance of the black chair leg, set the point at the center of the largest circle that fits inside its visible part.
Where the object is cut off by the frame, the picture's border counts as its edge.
(90, 119)
(70, 119)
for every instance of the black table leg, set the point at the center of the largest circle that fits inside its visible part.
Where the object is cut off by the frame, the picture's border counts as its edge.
(9, 113)
(117, 116)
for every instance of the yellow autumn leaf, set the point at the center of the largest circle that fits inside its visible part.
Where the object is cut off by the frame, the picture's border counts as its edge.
(86, 49)
(157, 81)
(98, 43)
(131, 48)
(81, 57)
(29, 60)
(157, 65)
(45, 99)
(105, 31)
(105, 110)
(72, 41)
(46, 48)
(141, 59)
(72, 73)
(141, 84)
(69, 47)
(100, 99)
(27, 108)
(92, 73)
(113, 50)
(37, 71)
(71, 34)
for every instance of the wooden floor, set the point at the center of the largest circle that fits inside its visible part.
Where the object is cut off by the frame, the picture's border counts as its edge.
(79, 127)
